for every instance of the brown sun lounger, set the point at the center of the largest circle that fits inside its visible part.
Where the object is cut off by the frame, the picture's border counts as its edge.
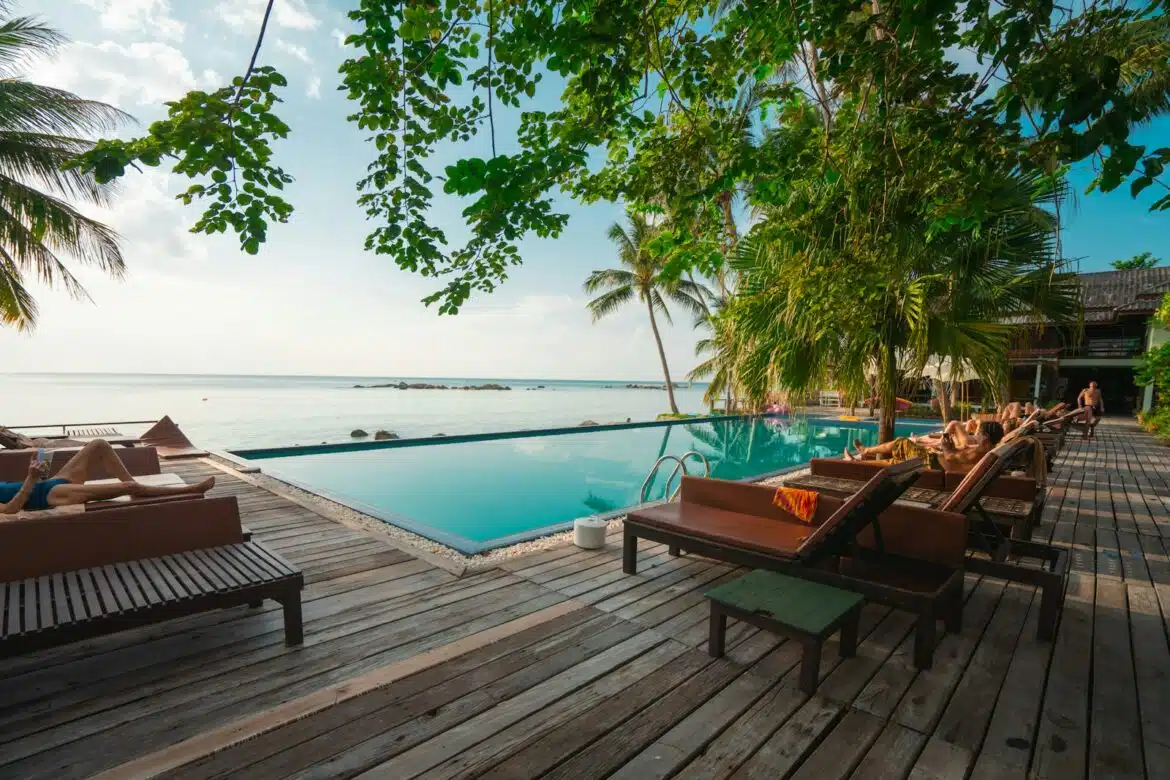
(911, 559)
(170, 441)
(983, 494)
(64, 578)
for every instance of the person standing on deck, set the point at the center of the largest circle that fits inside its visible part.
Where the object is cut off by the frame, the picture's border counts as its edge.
(1091, 400)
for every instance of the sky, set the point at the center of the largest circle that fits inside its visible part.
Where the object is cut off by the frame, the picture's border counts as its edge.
(313, 301)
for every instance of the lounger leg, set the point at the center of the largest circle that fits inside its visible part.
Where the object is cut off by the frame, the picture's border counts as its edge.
(1050, 596)
(954, 618)
(294, 631)
(849, 634)
(924, 642)
(673, 550)
(810, 667)
(629, 552)
(716, 633)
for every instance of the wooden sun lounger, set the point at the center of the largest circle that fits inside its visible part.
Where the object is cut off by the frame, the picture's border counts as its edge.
(1013, 503)
(969, 497)
(853, 544)
(71, 577)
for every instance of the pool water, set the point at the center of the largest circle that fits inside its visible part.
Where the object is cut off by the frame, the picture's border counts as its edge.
(488, 492)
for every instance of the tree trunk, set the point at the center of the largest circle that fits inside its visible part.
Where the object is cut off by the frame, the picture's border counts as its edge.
(944, 403)
(888, 388)
(661, 355)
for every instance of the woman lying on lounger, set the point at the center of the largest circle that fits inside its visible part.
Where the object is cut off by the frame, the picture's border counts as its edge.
(952, 456)
(68, 486)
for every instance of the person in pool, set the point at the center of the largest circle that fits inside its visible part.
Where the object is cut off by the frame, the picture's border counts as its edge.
(68, 486)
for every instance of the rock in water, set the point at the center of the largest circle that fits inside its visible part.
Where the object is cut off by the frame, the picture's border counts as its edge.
(358, 433)
(587, 423)
(381, 435)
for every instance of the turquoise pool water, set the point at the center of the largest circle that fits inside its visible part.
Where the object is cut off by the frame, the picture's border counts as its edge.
(489, 491)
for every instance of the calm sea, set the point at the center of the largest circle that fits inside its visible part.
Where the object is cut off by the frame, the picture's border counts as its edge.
(225, 412)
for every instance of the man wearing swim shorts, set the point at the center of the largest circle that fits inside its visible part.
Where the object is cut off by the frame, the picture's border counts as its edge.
(1091, 399)
(68, 486)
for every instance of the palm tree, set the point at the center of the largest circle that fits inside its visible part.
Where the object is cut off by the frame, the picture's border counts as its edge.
(641, 277)
(720, 353)
(41, 129)
(906, 296)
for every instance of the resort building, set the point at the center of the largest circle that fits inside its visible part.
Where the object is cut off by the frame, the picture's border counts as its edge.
(1055, 364)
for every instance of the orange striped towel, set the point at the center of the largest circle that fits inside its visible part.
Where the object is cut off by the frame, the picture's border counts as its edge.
(801, 504)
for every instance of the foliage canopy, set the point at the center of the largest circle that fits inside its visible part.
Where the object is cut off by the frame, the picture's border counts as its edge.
(651, 111)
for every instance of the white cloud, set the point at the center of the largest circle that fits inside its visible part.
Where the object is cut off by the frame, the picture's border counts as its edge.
(314, 88)
(339, 36)
(137, 74)
(246, 15)
(299, 52)
(138, 16)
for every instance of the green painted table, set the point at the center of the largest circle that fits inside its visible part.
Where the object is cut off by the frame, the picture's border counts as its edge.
(806, 612)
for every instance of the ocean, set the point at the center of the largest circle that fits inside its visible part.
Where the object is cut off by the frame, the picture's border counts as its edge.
(228, 412)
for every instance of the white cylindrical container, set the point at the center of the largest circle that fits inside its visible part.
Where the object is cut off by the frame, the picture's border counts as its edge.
(589, 533)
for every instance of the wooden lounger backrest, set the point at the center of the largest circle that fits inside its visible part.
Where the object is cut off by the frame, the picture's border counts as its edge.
(920, 533)
(859, 510)
(740, 497)
(1057, 423)
(865, 469)
(989, 468)
(139, 461)
(1023, 430)
(50, 543)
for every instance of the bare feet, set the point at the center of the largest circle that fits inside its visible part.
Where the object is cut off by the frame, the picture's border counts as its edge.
(857, 445)
(848, 455)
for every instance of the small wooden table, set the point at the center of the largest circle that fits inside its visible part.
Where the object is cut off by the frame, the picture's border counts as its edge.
(806, 612)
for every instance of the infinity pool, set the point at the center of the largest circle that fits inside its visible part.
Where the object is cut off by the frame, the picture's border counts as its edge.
(477, 493)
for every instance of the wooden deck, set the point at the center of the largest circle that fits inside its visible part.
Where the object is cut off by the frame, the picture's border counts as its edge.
(563, 667)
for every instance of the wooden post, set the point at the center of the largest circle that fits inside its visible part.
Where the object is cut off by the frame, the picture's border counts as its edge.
(717, 632)
(294, 631)
(629, 552)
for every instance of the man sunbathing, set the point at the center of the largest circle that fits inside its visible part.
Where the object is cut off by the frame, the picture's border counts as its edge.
(68, 486)
(952, 456)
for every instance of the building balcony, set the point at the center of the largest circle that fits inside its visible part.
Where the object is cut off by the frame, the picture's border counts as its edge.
(1090, 348)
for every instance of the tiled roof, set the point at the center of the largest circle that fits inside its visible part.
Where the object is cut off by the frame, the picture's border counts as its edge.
(1134, 291)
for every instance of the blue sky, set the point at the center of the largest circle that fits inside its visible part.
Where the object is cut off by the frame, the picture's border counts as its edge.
(313, 301)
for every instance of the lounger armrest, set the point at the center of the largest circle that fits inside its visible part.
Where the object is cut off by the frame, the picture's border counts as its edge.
(52, 543)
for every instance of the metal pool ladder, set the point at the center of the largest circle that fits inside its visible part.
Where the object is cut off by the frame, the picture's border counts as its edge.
(681, 465)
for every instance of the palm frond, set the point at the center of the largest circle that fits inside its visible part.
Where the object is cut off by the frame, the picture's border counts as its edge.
(18, 309)
(32, 108)
(25, 36)
(34, 226)
(607, 303)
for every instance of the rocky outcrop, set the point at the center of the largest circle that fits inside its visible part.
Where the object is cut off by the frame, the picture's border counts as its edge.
(587, 423)
(427, 386)
(633, 386)
(358, 433)
(382, 435)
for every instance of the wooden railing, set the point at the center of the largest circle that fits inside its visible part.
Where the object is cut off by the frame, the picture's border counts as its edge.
(66, 426)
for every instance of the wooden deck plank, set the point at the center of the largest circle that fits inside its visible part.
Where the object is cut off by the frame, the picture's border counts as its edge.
(1115, 749)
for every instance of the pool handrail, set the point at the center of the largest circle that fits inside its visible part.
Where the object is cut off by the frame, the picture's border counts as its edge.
(680, 461)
